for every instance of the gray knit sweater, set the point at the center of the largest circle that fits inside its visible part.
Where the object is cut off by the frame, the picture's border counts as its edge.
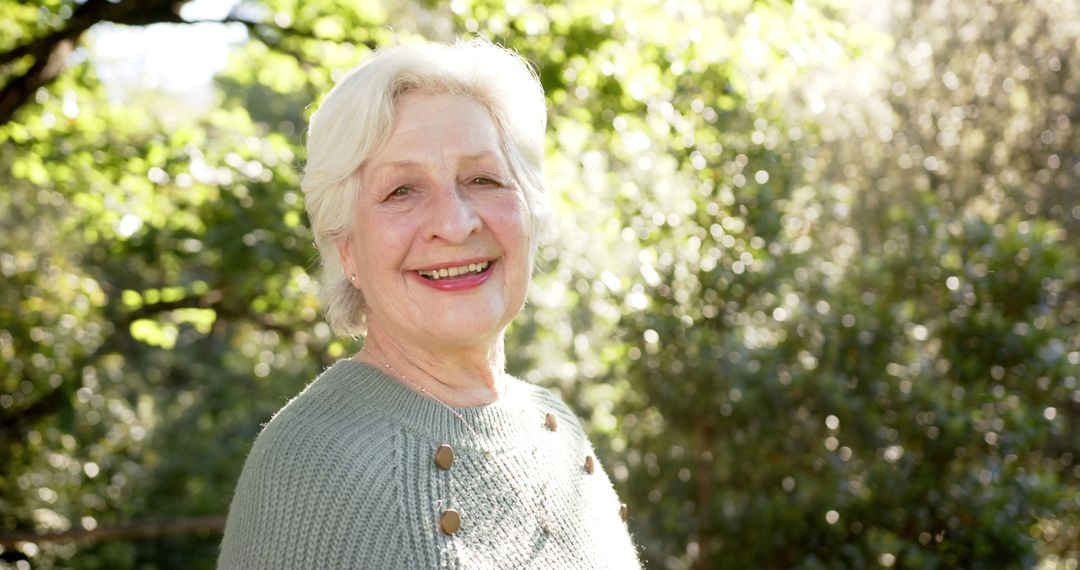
(344, 477)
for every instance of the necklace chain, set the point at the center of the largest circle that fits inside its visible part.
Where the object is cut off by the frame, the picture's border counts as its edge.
(542, 516)
(426, 392)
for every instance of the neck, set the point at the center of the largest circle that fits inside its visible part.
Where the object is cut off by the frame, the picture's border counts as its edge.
(460, 379)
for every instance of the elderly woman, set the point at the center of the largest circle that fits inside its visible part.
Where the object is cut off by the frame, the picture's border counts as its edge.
(425, 193)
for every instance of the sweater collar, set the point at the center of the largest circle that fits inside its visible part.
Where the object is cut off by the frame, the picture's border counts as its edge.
(503, 422)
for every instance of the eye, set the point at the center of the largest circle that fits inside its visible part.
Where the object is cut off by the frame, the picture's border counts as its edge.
(400, 192)
(485, 181)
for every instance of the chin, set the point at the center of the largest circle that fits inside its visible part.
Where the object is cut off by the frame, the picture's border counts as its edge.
(468, 326)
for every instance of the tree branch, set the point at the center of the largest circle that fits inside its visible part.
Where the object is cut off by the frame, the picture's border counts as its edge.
(17, 421)
(208, 300)
(264, 33)
(51, 51)
(44, 71)
(132, 530)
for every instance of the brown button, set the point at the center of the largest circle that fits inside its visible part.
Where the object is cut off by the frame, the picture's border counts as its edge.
(589, 464)
(444, 456)
(450, 521)
(624, 511)
(551, 422)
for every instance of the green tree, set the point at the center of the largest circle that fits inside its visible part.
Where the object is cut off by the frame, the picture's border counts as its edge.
(814, 286)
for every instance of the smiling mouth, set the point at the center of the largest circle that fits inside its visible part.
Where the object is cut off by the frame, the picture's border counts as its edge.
(459, 271)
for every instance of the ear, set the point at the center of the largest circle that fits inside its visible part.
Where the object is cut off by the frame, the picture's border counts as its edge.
(345, 246)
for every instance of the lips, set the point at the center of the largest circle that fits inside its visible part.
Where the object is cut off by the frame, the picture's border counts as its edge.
(463, 270)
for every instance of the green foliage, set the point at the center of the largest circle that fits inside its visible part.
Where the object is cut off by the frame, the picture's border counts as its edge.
(815, 286)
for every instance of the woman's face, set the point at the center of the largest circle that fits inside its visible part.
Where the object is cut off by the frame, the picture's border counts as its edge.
(441, 234)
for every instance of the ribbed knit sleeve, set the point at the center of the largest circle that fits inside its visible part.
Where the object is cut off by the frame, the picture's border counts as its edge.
(344, 477)
(319, 490)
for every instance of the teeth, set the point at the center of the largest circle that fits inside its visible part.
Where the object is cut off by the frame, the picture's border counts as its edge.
(455, 271)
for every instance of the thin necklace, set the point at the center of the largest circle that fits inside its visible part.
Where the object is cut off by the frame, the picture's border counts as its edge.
(424, 391)
(542, 517)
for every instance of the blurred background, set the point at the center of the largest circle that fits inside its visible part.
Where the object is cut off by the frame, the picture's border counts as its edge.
(815, 287)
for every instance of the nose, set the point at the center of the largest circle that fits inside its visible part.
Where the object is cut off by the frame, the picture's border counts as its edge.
(452, 215)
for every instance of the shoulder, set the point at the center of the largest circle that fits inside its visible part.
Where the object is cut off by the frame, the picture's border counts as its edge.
(328, 420)
(324, 462)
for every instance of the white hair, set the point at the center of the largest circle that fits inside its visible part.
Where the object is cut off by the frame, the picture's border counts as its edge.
(357, 116)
